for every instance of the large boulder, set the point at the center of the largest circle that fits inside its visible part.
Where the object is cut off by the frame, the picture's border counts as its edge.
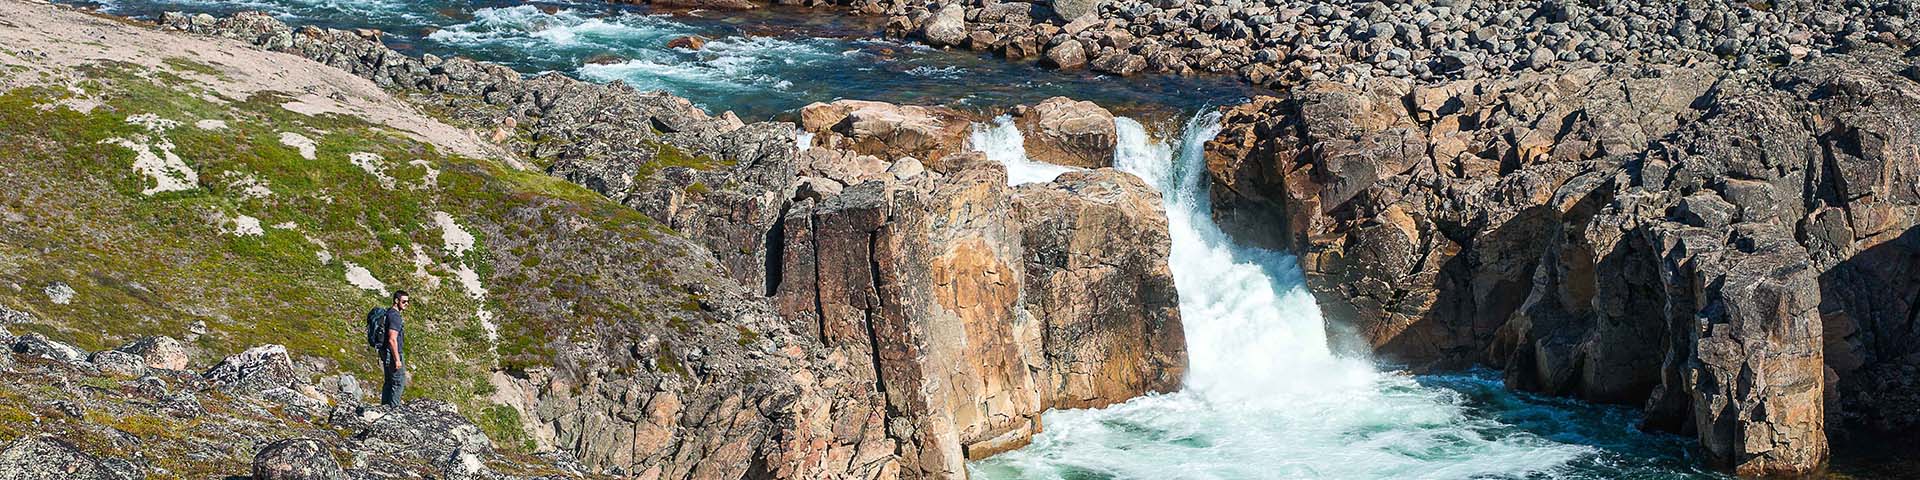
(160, 352)
(1097, 278)
(118, 363)
(45, 457)
(1066, 55)
(1062, 131)
(947, 27)
(35, 345)
(296, 459)
(888, 131)
(257, 370)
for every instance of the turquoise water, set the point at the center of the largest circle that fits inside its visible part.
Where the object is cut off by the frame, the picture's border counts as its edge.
(759, 64)
(1265, 396)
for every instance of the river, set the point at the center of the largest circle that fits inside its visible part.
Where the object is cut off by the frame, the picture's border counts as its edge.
(1265, 397)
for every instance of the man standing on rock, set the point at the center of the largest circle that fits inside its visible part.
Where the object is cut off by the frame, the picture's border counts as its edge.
(392, 356)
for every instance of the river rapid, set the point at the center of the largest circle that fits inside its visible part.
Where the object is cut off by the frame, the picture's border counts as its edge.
(1265, 396)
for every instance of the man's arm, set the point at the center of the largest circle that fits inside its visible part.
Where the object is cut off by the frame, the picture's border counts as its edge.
(393, 346)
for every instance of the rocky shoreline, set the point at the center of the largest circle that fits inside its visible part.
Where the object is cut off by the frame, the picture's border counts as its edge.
(1282, 43)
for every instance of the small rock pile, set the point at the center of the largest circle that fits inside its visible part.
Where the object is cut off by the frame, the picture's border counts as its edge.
(1285, 42)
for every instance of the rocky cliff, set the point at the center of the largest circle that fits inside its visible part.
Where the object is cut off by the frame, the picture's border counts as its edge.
(1730, 249)
(699, 298)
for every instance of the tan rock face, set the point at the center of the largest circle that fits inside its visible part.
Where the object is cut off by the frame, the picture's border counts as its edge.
(1062, 131)
(889, 131)
(1097, 278)
(928, 278)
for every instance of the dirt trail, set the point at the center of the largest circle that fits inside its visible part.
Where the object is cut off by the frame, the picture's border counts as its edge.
(41, 44)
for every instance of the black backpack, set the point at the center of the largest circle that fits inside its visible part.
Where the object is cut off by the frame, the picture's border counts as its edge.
(377, 328)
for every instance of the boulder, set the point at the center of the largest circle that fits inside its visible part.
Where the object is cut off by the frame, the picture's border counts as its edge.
(158, 352)
(689, 42)
(906, 168)
(889, 131)
(46, 457)
(296, 459)
(1062, 131)
(1097, 278)
(947, 27)
(118, 363)
(1067, 55)
(1069, 10)
(1119, 62)
(34, 345)
(259, 369)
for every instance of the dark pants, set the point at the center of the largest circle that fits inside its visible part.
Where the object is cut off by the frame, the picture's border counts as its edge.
(393, 384)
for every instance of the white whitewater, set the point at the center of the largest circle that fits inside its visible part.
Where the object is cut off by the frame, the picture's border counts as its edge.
(1265, 397)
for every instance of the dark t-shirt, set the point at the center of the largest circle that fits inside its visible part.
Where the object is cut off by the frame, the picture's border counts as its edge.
(395, 324)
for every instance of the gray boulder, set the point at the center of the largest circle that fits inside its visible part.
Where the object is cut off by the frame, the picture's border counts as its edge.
(33, 344)
(1069, 10)
(42, 458)
(296, 459)
(158, 352)
(256, 370)
(119, 363)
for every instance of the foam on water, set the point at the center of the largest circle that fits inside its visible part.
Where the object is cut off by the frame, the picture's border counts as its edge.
(1265, 397)
(726, 66)
(1002, 142)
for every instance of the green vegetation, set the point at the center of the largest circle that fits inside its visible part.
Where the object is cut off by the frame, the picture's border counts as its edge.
(168, 263)
(503, 425)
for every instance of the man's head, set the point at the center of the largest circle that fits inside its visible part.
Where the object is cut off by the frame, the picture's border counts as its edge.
(400, 300)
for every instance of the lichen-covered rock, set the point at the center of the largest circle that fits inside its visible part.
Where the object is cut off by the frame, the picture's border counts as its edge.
(296, 459)
(43, 457)
(1062, 131)
(158, 352)
(254, 371)
(118, 362)
(35, 345)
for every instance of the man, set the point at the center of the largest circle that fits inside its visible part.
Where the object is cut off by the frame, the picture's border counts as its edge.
(392, 352)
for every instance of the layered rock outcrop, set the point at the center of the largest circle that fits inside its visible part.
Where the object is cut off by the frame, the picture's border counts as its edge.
(1691, 239)
(1096, 248)
(981, 305)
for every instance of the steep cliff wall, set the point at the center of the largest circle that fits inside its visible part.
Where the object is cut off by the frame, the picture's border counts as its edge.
(1729, 248)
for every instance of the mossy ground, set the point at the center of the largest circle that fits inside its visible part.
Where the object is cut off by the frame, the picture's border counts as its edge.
(160, 264)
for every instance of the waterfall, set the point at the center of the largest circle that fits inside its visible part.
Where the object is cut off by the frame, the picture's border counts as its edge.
(1002, 142)
(1265, 396)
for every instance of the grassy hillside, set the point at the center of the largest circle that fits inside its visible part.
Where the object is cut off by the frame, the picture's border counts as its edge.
(266, 245)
